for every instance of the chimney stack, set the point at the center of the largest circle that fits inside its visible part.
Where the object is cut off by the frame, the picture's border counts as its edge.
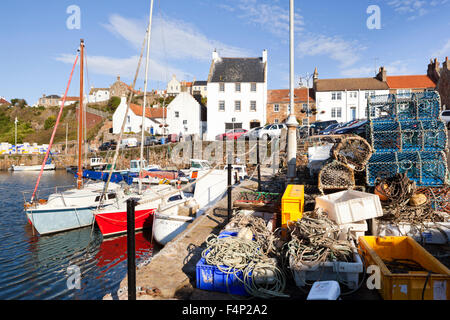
(264, 56)
(382, 74)
(433, 70)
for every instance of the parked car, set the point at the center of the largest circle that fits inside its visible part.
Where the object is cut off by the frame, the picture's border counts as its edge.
(271, 130)
(129, 143)
(445, 115)
(252, 134)
(151, 141)
(330, 128)
(109, 145)
(232, 134)
(358, 127)
(318, 126)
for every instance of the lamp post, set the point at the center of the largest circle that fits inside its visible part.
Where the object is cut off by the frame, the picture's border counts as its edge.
(307, 78)
(291, 122)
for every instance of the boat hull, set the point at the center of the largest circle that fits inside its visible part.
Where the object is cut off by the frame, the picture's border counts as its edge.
(50, 221)
(167, 227)
(115, 222)
(33, 168)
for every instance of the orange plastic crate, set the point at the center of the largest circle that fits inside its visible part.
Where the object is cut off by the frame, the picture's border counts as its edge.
(406, 286)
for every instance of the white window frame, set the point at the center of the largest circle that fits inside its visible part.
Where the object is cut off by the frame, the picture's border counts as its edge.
(222, 103)
(177, 114)
(236, 104)
(336, 112)
(221, 87)
(276, 107)
(253, 102)
(237, 87)
(253, 87)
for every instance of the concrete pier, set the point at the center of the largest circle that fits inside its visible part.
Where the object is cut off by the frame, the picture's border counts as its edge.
(171, 272)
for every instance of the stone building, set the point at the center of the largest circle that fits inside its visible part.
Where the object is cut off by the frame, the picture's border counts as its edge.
(278, 105)
(120, 88)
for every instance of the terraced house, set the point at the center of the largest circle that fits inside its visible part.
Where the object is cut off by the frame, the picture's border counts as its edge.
(236, 93)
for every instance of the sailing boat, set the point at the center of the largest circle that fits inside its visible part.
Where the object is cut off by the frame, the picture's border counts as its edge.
(73, 208)
(48, 166)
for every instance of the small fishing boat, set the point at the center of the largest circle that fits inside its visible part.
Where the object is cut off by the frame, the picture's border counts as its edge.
(48, 166)
(171, 220)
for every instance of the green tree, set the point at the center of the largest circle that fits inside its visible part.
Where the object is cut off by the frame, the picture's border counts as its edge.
(113, 103)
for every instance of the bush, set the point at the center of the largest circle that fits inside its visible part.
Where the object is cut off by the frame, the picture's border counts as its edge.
(50, 122)
(113, 103)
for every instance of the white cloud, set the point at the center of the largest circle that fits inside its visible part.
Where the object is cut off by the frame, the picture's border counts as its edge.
(271, 17)
(414, 8)
(126, 67)
(346, 53)
(444, 51)
(171, 38)
(397, 67)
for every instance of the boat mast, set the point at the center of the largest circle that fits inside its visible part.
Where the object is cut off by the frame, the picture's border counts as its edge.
(149, 31)
(80, 119)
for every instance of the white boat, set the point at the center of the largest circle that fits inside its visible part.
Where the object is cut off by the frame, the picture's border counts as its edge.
(22, 167)
(170, 220)
(70, 209)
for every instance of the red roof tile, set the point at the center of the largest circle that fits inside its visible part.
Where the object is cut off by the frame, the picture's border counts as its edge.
(149, 112)
(282, 95)
(410, 82)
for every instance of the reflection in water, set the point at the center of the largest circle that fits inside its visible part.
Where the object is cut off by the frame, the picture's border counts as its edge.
(35, 267)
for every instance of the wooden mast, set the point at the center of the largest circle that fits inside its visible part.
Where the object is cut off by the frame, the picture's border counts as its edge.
(80, 119)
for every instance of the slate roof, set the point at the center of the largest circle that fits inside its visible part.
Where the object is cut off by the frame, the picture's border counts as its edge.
(200, 83)
(238, 70)
(350, 84)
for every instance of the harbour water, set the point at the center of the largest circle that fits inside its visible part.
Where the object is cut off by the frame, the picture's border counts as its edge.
(44, 267)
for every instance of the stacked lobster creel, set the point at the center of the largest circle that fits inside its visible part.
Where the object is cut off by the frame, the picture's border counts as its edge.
(407, 136)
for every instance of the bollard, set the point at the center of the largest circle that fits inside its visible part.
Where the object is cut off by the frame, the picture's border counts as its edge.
(131, 249)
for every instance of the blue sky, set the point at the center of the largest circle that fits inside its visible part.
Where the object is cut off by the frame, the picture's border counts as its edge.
(38, 49)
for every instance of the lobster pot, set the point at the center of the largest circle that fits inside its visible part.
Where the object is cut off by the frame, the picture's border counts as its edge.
(420, 106)
(336, 175)
(354, 151)
(439, 197)
(408, 135)
(425, 168)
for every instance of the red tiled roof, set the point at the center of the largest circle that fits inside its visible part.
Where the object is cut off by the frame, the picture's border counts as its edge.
(410, 82)
(72, 98)
(3, 101)
(149, 112)
(282, 95)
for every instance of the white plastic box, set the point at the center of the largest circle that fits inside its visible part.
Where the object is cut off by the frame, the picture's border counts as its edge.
(324, 290)
(350, 206)
(347, 273)
(356, 229)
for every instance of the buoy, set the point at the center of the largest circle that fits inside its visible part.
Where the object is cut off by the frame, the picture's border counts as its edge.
(417, 199)
(382, 190)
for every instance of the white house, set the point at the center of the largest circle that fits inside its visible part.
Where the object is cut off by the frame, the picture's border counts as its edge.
(173, 87)
(346, 99)
(99, 94)
(186, 115)
(200, 88)
(236, 93)
(153, 118)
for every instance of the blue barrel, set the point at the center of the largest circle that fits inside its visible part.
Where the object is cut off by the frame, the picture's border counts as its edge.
(163, 140)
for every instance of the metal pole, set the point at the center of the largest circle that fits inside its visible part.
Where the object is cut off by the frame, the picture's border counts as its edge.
(292, 120)
(80, 119)
(67, 129)
(258, 164)
(131, 249)
(145, 98)
(229, 188)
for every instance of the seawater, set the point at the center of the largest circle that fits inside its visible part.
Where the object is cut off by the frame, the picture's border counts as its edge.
(34, 267)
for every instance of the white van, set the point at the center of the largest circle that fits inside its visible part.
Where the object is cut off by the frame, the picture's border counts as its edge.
(129, 143)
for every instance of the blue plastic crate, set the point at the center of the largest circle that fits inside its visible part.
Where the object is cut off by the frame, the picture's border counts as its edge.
(212, 279)
(425, 168)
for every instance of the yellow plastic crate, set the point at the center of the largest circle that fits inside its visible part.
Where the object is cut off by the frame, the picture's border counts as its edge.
(292, 203)
(406, 286)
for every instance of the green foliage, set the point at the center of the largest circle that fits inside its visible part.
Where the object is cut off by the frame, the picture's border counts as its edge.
(18, 102)
(113, 103)
(50, 122)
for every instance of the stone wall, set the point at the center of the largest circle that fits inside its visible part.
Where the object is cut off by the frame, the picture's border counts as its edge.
(444, 84)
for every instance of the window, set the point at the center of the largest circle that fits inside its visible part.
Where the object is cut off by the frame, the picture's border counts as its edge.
(237, 87)
(305, 106)
(404, 93)
(370, 93)
(177, 114)
(237, 105)
(222, 87)
(111, 196)
(336, 96)
(276, 108)
(184, 121)
(252, 105)
(336, 112)
(353, 94)
(275, 121)
(222, 105)
(253, 87)
(305, 121)
(128, 119)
